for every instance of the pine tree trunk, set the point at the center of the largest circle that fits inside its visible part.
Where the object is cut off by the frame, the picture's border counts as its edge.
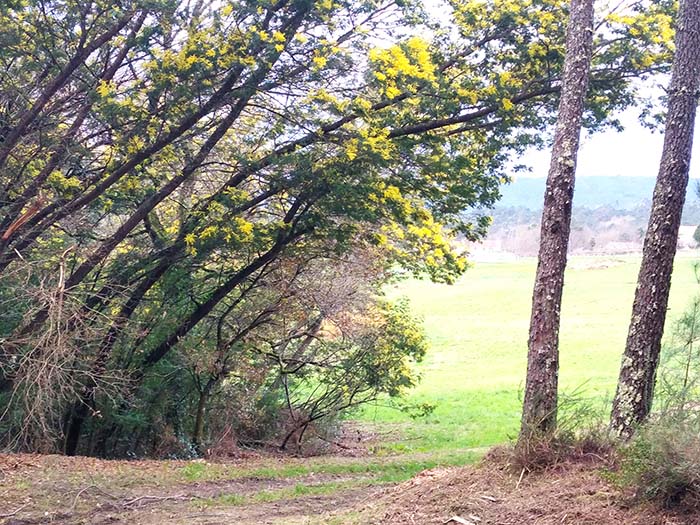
(540, 403)
(635, 388)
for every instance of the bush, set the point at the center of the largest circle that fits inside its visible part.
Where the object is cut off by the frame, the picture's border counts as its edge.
(662, 463)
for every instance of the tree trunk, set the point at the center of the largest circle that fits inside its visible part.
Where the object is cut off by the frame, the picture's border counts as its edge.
(78, 415)
(198, 432)
(540, 403)
(635, 388)
(84, 405)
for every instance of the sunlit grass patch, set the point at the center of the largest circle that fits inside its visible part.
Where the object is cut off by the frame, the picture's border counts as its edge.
(474, 371)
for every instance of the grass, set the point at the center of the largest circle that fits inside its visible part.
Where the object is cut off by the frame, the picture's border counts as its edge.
(299, 490)
(369, 475)
(477, 328)
(358, 472)
(384, 469)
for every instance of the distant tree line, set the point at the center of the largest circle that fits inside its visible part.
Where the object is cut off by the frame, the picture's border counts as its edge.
(504, 216)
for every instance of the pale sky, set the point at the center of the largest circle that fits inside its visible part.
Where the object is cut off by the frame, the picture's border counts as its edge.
(636, 151)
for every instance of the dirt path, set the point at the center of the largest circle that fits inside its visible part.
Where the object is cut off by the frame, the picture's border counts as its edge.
(311, 491)
(59, 490)
(188, 509)
(303, 510)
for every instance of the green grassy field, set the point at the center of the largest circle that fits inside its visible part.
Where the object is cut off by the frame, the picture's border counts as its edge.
(475, 369)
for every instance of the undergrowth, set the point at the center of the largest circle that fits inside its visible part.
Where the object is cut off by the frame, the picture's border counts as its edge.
(662, 464)
(580, 435)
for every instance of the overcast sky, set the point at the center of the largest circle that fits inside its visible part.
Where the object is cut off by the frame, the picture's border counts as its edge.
(636, 151)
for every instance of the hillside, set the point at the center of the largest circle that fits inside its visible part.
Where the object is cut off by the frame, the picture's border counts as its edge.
(609, 217)
(621, 193)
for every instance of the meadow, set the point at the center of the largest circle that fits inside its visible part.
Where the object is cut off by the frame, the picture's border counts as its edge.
(477, 329)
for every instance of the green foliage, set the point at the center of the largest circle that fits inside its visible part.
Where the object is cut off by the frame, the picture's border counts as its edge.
(385, 351)
(369, 361)
(662, 463)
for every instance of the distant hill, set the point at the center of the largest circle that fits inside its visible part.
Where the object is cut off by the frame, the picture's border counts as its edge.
(621, 193)
(610, 215)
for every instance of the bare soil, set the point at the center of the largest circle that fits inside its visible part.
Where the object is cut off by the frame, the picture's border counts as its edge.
(55, 489)
(573, 493)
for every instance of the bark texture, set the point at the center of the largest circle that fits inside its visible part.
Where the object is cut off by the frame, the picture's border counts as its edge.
(198, 432)
(635, 388)
(540, 403)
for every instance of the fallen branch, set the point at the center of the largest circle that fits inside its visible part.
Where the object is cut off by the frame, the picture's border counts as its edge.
(14, 512)
(179, 497)
(336, 443)
(85, 489)
(77, 496)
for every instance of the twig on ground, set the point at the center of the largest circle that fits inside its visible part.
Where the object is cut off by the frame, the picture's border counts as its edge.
(84, 489)
(155, 498)
(77, 496)
(105, 492)
(14, 512)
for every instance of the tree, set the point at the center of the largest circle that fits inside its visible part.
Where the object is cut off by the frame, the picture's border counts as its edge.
(160, 157)
(540, 403)
(635, 388)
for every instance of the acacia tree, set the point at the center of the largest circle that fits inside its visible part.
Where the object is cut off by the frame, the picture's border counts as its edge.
(635, 388)
(540, 403)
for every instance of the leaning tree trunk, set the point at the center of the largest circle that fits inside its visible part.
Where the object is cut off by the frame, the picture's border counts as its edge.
(540, 403)
(635, 388)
